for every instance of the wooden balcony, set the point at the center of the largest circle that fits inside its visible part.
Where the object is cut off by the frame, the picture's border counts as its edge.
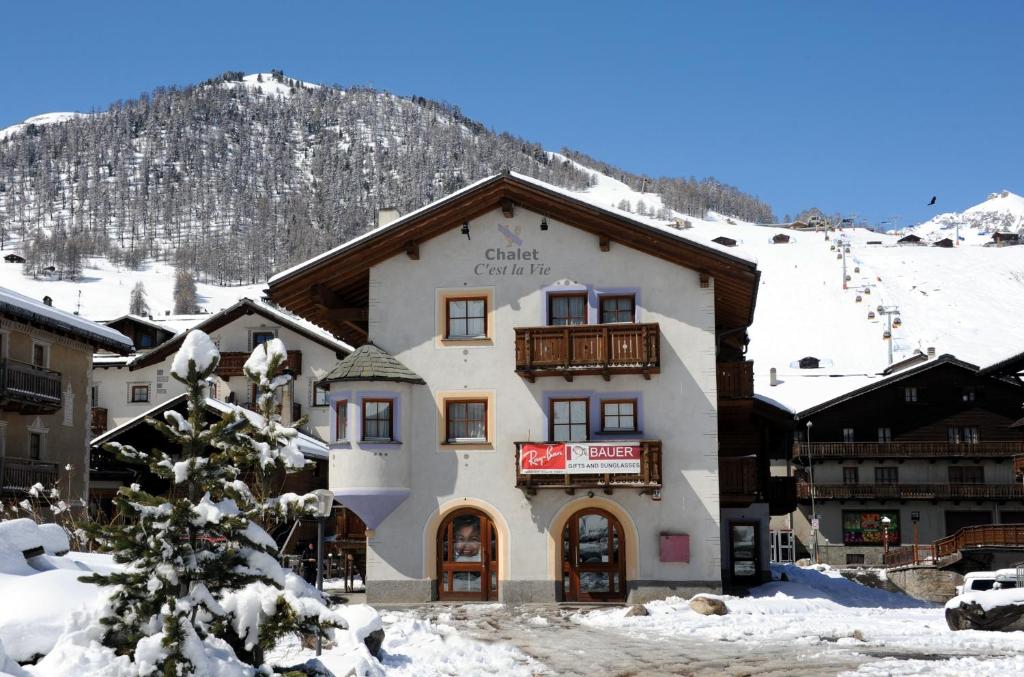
(980, 536)
(27, 389)
(737, 481)
(98, 420)
(231, 363)
(820, 451)
(735, 380)
(648, 480)
(603, 349)
(1018, 467)
(17, 475)
(925, 492)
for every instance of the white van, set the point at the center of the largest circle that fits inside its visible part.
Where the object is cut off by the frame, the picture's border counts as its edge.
(979, 580)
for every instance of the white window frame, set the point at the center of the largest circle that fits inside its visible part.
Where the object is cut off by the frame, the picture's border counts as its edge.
(139, 384)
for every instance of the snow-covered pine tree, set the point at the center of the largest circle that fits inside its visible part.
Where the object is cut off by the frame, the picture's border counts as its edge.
(202, 579)
(137, 303)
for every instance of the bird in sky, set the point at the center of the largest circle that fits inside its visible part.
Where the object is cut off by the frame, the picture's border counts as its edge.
(932, 202)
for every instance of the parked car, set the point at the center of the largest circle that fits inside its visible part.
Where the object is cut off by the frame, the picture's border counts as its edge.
(1006, 579)
(977, 581)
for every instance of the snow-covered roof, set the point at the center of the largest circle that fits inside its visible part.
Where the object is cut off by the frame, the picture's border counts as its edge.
(62, 322)
(140, 319)
(308, 445)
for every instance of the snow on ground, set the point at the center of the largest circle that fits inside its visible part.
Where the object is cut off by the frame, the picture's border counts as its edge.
(1002, 212)
(265, 83)
(103, 290)
(816, 607)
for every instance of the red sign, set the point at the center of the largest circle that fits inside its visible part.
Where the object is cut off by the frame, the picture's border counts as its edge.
(580, 457)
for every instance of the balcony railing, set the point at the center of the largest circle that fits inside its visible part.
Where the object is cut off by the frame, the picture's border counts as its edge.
(17, 475)
(647, 480)
(735, 380)
(981, 535)
(1018, 467)
(819, 451)
(911, 491)
(231, 363)
(98, 421)
(603, 349)
(737, 480)
(907, 555)
(29, 389)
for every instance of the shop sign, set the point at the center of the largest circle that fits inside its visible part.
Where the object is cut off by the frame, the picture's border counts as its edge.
(563, 458)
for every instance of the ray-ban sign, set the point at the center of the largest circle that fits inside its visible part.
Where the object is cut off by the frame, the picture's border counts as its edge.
(563, 458)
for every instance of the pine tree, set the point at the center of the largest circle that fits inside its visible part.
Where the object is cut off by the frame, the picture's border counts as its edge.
(186, 298)
(137, 303)
(203, 573)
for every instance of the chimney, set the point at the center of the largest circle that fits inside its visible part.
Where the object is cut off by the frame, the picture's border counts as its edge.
(931, 353)
(47, 301)
(773, 378)
(386, 215)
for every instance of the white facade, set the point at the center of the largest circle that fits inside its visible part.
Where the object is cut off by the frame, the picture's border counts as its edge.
(428, 478)
(113, 380)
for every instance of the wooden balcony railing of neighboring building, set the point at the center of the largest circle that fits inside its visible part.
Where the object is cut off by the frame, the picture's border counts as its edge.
(1018, 467)
(979, 536)
(737, 480)
(647, 480)
(907, 555)
(820, 451)
(17, 475)
(735, 380)
(98, 421)
(910, 491)
(604, 349)
(29, 389)
(231, 363)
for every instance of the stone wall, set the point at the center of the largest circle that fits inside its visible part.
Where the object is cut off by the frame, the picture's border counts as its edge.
(926, 583)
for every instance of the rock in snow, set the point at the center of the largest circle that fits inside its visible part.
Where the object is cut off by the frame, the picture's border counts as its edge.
(988, 610)
(708, 606)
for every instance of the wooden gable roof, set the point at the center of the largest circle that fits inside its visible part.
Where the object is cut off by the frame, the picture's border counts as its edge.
(332, 289)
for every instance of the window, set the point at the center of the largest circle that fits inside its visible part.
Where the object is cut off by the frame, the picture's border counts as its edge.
(39, 356)
(885, 475)
(962, 434)
(619, 308)
(321, 393)
(910, 394)
(618, 416)
(885, 434)
(341, 420)
(569, 420)
(847, 434)
(966, 474)
(35, 445)
(851, 475)
(261, 337)
(968, 394)
(146, 340)
(467, 318)
(138, 393)
(465, 421)
(378, 416)
(94, 393)
(855, 558)
(783, 546)
(567, 309)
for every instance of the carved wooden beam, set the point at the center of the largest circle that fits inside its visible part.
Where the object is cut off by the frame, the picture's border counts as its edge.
(412, 250)
(604, 242)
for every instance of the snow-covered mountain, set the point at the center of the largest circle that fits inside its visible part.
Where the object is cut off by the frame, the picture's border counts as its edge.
(1000, 212)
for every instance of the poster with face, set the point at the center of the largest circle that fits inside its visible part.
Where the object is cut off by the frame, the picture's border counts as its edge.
(466, 538)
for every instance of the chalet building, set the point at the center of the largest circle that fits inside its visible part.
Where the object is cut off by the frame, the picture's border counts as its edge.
(45, 364)
(1000, 239)
(533, 411)
(910, 239)
(124, 388)
(945, 242)
(780, 238)
(725, 241)
(14, 258)
(930, 447)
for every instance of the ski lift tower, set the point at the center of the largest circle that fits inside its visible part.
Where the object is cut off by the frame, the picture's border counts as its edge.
(890, 312)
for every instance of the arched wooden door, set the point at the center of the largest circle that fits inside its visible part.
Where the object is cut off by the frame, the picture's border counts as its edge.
(593, 558)
(467, 557)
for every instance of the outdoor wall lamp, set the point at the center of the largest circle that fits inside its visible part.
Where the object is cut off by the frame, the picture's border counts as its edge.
(465, 230)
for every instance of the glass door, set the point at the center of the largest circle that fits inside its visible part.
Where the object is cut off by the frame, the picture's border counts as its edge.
(743, 541)
(593, 558)
(467, 551)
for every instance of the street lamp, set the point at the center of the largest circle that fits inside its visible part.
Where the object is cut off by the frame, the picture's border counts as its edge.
(324, 506)
(885, 537)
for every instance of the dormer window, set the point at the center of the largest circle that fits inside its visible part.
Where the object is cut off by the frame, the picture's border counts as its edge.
(258, 338)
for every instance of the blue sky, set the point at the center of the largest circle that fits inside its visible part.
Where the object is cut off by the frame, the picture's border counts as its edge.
(866, 108)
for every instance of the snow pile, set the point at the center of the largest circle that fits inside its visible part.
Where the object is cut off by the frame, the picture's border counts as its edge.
(816, 606)
(20, 535)
(952, 667)
(197, 347)
(8, 666)
(38, 120)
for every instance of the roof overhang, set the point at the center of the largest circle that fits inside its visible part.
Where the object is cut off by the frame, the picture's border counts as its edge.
(339, 280)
